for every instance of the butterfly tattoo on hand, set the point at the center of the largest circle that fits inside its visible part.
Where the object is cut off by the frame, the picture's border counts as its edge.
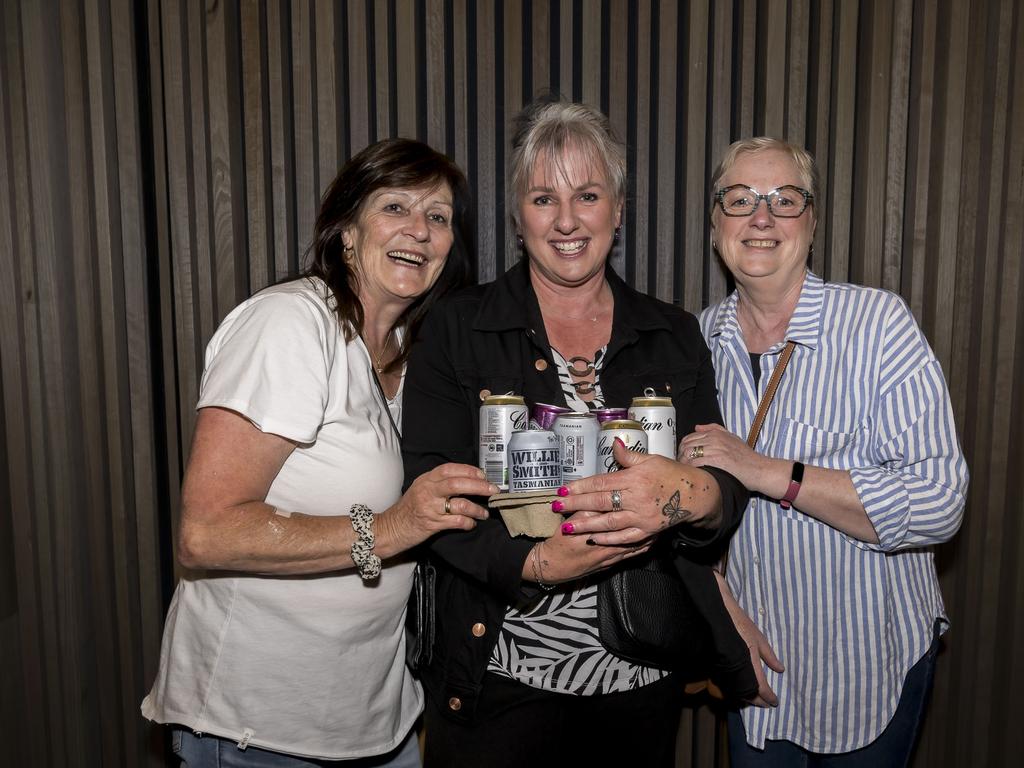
(675, 513)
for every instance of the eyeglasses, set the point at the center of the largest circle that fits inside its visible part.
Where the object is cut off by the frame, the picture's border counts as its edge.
(786, 202)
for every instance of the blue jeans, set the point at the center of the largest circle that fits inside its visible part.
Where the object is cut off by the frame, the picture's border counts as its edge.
(209, 751)
(893, 748)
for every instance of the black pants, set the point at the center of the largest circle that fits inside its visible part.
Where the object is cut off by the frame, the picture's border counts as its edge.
(522, 727)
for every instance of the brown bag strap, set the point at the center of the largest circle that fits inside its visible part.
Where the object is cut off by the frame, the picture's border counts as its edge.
(762, 412)
(769, 393)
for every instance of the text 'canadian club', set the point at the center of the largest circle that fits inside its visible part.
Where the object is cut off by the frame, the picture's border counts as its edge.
(657, 416)
(629, 432)
(501, 416)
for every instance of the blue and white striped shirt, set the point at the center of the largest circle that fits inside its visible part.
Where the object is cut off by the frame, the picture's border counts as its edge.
(863, 392)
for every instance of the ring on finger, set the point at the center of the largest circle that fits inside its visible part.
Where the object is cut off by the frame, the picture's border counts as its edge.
(447, 505)
(616, 501)
(697, 452)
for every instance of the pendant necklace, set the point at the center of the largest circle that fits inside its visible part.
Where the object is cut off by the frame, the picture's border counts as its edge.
(380, 356)
(581, 387)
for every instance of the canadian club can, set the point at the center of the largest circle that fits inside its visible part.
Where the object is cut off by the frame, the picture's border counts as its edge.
(500, 417)
(657, 416)
(629, 432)
(577, 435)
(534, 461)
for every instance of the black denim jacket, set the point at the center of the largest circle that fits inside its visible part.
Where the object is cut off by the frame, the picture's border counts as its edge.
(491, 338)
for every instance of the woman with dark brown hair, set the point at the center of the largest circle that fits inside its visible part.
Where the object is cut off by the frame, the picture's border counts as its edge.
(291, 650)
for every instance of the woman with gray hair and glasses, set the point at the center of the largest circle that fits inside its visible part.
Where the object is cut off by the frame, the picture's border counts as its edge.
(856, 475)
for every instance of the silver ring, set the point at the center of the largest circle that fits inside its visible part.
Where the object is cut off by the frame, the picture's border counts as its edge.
(616, 501)
(697, 452)
(447, 505)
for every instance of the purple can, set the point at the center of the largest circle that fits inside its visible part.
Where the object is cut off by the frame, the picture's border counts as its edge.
(611, 414)
(543, 415)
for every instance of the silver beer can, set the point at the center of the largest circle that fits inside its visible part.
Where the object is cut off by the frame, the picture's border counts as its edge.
(577, 434)
(629, 432)
(657, 416)
(534, 461)
(501, 416)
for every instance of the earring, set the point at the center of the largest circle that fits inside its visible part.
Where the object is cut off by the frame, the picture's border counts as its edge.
(618, 232)
(519, 241)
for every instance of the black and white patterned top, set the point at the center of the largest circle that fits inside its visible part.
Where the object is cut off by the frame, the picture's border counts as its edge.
(552, 642)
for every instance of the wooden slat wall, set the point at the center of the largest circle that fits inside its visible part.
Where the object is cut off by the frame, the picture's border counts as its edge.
(161, 160)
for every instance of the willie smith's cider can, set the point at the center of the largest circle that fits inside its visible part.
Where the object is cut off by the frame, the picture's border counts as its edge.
(500, 417)
(577, 435)
(657, 416)
(629, 432)
(534, 461)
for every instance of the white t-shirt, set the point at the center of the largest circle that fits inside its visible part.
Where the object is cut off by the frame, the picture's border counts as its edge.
(309, 665)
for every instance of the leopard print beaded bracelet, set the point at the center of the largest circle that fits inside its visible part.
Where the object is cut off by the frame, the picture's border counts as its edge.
(367, 563)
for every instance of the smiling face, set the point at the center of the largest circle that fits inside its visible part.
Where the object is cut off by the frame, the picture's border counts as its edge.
(399, 243)
(567, 219)
(762, 247)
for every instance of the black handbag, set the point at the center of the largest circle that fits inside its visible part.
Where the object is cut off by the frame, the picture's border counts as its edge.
(419, 617)
(646, 615)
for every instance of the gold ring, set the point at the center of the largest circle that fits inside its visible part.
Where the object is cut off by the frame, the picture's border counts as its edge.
(697, 452)
(447, 505)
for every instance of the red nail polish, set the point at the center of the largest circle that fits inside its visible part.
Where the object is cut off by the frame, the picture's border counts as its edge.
(563, 491)
(568, 527)
(619, 441)
(557, 506)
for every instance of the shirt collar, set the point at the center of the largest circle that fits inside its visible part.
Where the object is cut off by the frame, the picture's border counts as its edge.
(510, 302)
(804, 326)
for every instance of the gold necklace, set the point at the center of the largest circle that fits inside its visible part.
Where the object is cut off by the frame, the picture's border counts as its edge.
(380, 356)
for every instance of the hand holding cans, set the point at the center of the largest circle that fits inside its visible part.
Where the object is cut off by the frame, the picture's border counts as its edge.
(577, 444)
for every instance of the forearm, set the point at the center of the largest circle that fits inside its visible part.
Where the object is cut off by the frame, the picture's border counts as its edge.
(257, 538)
(827, 495)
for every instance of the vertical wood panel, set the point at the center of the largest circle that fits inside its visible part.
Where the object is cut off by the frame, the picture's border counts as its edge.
(406, 63)
(484, 121)
(663, 157)
(329, 101)
(436, 76)
(796, 72)
(255, 111)
(719, 127)
(690, 258)
(640, 142)
(819, 123)
(161, 160)
(303, 73)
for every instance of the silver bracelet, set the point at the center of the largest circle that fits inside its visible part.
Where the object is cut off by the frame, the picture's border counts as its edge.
(367, 563)
(538, 573)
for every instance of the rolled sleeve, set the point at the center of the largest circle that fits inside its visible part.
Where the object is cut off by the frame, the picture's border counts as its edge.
(915, 493)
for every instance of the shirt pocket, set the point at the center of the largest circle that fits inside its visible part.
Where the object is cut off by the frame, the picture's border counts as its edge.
(819, 447)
